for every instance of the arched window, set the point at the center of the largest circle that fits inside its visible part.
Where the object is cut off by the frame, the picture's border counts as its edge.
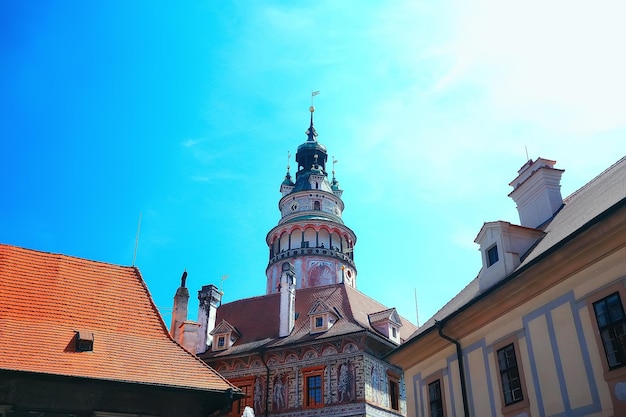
(317, 205)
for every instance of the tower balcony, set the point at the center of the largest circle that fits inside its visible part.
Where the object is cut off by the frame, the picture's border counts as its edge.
(348, 258)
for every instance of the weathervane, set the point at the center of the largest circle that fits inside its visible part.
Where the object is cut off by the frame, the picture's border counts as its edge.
(334, 162)
(313, 94)
(288, 158)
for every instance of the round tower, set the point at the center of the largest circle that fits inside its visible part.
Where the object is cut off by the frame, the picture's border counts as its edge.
(311, 234)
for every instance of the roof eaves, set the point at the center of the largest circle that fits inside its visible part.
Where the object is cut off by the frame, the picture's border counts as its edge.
(540, 258)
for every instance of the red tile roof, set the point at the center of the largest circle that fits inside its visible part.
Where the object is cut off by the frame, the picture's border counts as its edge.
(45, 298)
(352, 306)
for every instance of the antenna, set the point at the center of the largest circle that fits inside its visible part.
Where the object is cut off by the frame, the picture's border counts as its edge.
(527, 158)
(334, 162)
(288, 158)
(417, 314)
(136, 240)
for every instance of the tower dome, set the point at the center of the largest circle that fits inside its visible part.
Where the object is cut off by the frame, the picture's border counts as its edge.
(310, 233)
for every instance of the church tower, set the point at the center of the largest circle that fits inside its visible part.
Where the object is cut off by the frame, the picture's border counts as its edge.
(310, 234)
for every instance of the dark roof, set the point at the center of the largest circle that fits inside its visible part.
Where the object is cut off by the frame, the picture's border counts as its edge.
(45, 298)
(257, 319)
(581, 207)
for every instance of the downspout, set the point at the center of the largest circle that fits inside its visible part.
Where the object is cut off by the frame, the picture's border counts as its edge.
(459, 356)
(267, 382)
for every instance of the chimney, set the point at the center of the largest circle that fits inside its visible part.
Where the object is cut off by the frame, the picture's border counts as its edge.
(179, 313)
(537, 192)
(287, 299)
(188, 335)
(210, 299)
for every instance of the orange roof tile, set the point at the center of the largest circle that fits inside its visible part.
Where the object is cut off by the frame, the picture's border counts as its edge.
(45, 298)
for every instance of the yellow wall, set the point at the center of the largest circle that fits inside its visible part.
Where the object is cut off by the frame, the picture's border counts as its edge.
(556, 347)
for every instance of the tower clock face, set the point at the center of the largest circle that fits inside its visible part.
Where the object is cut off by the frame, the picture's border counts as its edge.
(294, 206)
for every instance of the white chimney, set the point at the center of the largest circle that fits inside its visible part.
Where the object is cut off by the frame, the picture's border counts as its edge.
(537, 192)
(287, 299)
(179, 312)
(210, 299)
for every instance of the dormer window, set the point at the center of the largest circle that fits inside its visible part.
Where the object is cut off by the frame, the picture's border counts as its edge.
(322, 317)
(492, 255)
(224, 336)
(221, 341)
(388, 323)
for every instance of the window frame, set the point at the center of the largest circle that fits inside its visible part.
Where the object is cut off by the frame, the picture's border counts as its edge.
(313, 372)
(619, 287)
(237, 407)
(437, 376)
(216, 341)
(611, 326)
(522, 405)
(393, 380)
(493, 249)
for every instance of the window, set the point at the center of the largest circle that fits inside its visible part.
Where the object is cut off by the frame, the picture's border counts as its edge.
(319, 321)
(509, 375)
(435, 399)
(221, 341)
(313, 387)
(247, 388)
(492, 255)
(612, 326)
(317, 205)
(394, 332)
(394, 393)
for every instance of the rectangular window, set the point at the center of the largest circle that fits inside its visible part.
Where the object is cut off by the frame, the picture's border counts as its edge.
(313, 387)
(394, 394)
(313, 390)
(435, 399)
(319, 322)
(247, 388)
(221, 341)
(492, 255)
(612, 326)
(509, 375)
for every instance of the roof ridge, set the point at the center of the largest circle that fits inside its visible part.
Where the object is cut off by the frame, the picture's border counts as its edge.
(594, 179)
(59, 255)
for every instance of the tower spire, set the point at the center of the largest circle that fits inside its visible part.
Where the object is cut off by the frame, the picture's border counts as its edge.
(311, 133)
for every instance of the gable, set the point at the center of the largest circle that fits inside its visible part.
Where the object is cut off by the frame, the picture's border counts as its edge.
(46, 298)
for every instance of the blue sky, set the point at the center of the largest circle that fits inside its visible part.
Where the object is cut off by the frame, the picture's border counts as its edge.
(184, 113)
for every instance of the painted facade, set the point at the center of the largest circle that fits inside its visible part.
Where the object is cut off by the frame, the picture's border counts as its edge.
(545, 335)
(313, 344)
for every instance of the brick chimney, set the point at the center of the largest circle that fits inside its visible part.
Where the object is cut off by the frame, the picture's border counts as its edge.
(210, 299)
(287, 299)
(179, 313)
(537, 192)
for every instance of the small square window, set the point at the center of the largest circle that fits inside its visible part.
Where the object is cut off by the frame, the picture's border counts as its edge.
(492, 255)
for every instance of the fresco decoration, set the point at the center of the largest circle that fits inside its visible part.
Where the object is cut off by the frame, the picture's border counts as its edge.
(279, 392)
(258, 395)
(346, 389)
(321, 273)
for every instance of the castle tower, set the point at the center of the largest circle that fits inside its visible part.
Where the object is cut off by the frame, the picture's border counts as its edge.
(311, 234)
